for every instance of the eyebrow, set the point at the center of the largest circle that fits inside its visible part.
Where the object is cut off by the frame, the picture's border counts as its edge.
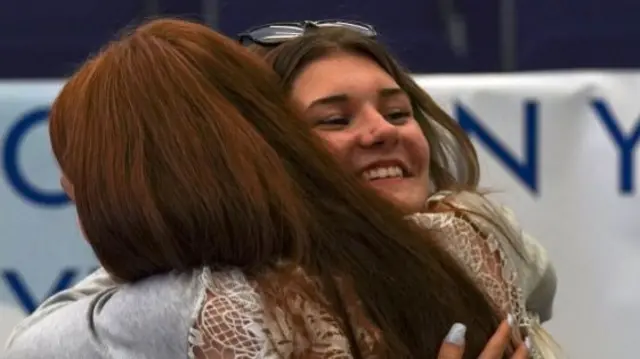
(391, 92)
(342, 98)
(329, 100)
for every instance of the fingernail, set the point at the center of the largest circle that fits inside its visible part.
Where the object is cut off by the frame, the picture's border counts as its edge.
(527, 343)
(456, 334)
(510, 320)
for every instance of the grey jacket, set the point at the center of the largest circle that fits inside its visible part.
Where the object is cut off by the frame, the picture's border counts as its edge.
(97, 319)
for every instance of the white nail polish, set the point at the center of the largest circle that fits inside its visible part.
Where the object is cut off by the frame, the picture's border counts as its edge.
(527, 343)
(456, 334)
(510, 320)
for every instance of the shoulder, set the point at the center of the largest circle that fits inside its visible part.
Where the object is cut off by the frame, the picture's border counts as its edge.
(536, 275)
(525, 251)
(98, 281)
(228, 318)
(146, 319)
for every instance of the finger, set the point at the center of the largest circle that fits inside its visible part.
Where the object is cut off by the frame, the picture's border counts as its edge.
(523, 350)
(498, 343)
(453, 345)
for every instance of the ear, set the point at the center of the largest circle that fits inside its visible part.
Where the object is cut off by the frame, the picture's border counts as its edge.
(67, 187)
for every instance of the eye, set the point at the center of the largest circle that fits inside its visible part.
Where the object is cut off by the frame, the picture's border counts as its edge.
(336, 121)
(398, 116)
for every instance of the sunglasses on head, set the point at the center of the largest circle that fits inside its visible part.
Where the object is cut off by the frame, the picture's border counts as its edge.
(276, 33)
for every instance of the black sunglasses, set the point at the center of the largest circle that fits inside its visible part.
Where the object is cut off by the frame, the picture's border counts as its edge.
(276, 33)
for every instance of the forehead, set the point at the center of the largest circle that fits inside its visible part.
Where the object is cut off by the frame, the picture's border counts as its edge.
(341, 73)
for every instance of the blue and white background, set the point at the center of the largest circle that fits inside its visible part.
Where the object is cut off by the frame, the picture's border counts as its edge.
(558, 147)
(557, 139)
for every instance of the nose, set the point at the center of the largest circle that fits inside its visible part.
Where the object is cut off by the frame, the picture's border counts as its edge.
(376, 130)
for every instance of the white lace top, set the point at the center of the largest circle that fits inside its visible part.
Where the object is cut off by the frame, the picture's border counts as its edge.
(233, 322)
(219, 315)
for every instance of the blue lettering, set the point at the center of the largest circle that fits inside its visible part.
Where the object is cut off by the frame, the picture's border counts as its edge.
(526, 170)
(625, 143)
(11, 152)
(24, 295)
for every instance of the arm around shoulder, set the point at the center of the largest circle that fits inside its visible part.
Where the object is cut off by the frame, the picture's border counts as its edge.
(92, 284)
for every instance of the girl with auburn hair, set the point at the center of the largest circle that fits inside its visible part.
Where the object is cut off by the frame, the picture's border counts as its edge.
(233, 233)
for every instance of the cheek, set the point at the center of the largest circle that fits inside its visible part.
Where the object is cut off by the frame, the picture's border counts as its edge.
(423, 150)
(417, 145)
(337, 143)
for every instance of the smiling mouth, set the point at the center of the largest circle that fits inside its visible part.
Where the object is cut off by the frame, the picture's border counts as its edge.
(384, 173)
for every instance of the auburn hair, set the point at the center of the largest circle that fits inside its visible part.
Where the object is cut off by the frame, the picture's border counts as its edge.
(174, 141)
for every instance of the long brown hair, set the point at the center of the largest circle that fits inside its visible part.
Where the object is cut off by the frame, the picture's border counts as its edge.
(454, 162)
(174, 141)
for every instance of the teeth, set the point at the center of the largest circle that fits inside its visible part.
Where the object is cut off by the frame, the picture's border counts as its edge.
(383, 172)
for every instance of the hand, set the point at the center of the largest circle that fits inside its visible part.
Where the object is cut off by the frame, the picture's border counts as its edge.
(453, 346)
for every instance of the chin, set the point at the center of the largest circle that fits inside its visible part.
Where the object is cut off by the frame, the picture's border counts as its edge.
(409, 201)
(407, 204)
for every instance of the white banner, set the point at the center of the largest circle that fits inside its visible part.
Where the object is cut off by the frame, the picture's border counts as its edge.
(557, 147)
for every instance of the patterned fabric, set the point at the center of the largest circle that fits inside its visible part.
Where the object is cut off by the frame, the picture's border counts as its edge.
(232, 320)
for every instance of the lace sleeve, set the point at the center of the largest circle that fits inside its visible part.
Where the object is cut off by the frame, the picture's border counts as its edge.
(478, 252)
(228, 320)
(484, 239)
(272, 319)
